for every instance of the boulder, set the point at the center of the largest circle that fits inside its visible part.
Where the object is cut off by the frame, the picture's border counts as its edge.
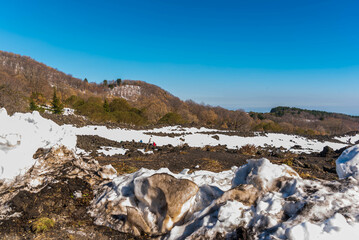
(167, 197)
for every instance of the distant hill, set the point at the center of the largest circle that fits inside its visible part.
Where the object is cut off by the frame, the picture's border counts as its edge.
(141, 103)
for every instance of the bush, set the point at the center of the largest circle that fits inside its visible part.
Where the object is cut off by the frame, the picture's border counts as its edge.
(101, 111)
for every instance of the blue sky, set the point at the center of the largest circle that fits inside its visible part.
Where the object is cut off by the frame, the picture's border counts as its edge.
(250, 55)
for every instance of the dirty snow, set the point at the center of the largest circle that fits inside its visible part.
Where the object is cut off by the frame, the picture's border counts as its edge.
(296, 209)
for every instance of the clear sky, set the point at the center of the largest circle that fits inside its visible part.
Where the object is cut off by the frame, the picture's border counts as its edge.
(252, 55)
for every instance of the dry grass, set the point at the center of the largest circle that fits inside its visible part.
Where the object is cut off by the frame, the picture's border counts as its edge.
(212, 165)
(248, 149)
(123, 168)
(288, 161)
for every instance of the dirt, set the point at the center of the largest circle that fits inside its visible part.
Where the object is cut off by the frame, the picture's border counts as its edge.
(57, 202)
(212, 158)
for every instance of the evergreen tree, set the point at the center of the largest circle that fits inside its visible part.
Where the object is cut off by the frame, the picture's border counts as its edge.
(85, 80)
(57, 106)
(33, 106)
(105, 82)
(118, 81)
(106, 106)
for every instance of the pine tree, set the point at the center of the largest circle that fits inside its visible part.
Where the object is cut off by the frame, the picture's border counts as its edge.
(106, 106)
(57, 106)
(118, 81)
(85, 80)
(33, 106)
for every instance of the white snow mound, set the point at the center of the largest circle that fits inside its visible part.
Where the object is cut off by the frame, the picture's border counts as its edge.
(348, 163)
(21, 135)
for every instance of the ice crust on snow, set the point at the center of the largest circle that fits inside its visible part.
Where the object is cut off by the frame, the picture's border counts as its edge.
(21, 135)
(287, 207)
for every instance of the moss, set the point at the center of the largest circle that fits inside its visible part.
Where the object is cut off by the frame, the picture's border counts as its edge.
(288, 162)
(42, 225)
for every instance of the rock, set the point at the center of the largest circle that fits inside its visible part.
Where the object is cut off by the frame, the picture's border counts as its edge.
(327, 151)
(167, 197)
(330, 170)
(215, 137)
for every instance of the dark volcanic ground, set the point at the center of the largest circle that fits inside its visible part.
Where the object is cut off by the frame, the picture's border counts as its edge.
(217, 158)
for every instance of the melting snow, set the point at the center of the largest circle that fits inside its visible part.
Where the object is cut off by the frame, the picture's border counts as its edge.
(110, 151)
(22, 134)
(288, 207)
(200, 137)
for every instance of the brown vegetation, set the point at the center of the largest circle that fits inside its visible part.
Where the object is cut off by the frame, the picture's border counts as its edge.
(27, 84)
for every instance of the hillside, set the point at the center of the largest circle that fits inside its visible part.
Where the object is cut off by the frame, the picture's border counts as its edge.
(141, 103)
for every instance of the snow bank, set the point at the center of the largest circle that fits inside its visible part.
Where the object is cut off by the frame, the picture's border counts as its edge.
(285, 206)
(21, 135)
(348, 163)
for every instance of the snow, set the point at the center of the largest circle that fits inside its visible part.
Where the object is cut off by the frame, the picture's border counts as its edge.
(348, 139)
(200, 137)
(348, 163)
(21, 135)
(110, 151)
(68, 111)
(287, 207)
(144, 151)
